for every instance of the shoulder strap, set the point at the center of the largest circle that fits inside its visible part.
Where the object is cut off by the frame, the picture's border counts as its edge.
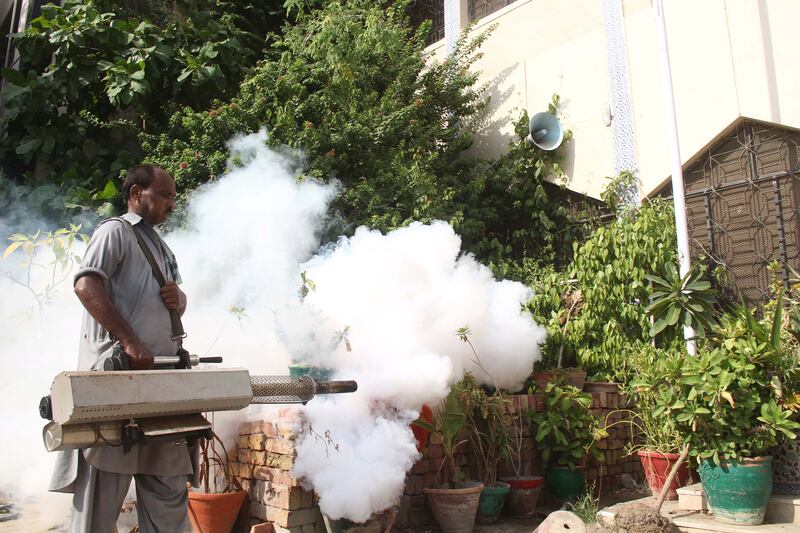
(175, 319)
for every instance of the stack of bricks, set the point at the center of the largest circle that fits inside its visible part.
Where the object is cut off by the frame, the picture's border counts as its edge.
(265, 456)
(611, 408)
(262, 463)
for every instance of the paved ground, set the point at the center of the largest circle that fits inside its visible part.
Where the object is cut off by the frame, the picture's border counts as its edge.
(31, 520)
(31, 517)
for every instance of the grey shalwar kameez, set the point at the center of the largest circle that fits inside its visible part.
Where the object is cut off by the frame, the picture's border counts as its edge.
(99, 477)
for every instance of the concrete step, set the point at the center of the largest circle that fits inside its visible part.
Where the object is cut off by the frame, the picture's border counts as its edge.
(780, 509)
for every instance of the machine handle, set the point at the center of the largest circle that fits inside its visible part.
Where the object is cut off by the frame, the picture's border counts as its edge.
(161, 361)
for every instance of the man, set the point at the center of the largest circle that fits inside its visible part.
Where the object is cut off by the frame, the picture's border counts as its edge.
(126, 309)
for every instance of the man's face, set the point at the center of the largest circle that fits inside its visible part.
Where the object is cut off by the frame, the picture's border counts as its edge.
(156, 202)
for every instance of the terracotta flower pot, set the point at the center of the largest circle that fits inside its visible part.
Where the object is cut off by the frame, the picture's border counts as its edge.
(657, 466)
(455, 509)
(600, 386)
(215, 513)
(572, 376)
(521, 501)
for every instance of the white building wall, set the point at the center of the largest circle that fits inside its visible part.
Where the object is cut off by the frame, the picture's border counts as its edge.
(729, 58)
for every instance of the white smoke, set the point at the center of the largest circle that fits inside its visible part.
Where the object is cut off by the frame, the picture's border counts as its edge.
(36, 342)
(401, 297)
(394, 300)
(239, 261)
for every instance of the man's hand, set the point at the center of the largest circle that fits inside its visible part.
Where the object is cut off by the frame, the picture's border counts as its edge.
(139, 357)
(173, 297)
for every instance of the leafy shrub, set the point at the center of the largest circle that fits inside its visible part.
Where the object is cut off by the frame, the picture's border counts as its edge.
(610, 270)
(90, 79)
(565, 430)
(728, 405)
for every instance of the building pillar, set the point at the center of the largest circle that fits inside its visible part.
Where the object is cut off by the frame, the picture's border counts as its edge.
(456, 18)
(621, 113)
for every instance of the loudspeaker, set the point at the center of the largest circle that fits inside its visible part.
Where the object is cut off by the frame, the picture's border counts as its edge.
(545, 131)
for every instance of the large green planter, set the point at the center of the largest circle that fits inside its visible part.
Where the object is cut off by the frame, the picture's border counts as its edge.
(738, 492)
(564, 484)
(491, 503)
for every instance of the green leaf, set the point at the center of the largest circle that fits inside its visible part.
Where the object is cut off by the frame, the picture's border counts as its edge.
(11, 247)
(108, 192)
(13, 76)
(29, 146)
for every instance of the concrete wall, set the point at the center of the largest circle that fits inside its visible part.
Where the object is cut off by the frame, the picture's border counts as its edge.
(729, 58)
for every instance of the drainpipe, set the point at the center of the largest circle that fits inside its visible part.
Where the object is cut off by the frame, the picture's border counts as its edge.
(678, 198)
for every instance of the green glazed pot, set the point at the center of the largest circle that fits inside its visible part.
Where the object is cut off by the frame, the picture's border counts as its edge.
(564, 484)
(317, 372)
(738, 492)
(491, 503)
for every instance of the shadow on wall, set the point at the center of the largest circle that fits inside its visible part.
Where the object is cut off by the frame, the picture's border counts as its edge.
(494, 131)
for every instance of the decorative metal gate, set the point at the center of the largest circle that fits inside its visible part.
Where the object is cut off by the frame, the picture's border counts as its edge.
(742, 201)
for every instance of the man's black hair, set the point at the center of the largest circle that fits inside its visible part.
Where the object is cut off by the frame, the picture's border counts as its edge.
(141, 175)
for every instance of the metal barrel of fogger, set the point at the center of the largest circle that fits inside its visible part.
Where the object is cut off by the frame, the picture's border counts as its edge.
(287, 389)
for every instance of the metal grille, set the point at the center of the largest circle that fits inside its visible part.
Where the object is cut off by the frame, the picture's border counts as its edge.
(481, 8)
(742, 201)
(282, 389)
(433, 10)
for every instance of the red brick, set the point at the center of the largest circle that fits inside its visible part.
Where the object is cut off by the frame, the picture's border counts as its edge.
(281, 446)
(256, 441)
(247, 428)
(275, 475)
(268, 428)
(307, 498)
(280, 496)
(246, 471)
(435, 451)
(284, 517)
(287, 429)
(420, 467)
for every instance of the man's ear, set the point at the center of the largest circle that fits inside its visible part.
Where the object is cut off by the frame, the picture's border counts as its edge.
(136, 192)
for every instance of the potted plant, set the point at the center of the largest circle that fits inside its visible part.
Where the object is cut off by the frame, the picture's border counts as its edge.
(565, 432)
(655, 437)
(524, 490)
(729, 411)
(216, 507)
(786, 456)
(485, 417)
(675, 302)
(455, 503)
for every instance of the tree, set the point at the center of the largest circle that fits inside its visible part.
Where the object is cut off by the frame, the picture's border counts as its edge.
(94, 75)
(350, 85)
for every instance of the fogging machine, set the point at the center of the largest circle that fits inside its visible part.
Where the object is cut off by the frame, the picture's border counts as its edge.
(124, 407)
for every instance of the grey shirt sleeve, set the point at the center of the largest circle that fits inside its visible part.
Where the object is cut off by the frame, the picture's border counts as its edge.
(106, 250)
